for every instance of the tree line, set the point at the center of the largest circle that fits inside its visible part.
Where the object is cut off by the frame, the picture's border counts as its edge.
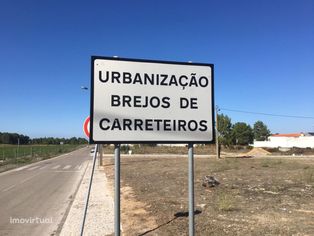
(14, 138)
(240, 133)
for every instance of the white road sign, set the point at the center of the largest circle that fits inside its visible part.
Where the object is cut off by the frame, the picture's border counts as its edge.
(138, 101)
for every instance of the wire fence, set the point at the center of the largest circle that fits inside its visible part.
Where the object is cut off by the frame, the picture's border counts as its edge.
(12, 156)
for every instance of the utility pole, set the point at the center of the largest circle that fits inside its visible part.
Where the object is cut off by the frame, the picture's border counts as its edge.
(217, 134)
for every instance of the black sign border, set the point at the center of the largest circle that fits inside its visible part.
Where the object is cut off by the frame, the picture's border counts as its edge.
(91, 141)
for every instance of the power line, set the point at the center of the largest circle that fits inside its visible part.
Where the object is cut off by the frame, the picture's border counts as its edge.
(268, 114)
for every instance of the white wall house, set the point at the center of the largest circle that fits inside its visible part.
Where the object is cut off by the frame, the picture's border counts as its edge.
(300, 140)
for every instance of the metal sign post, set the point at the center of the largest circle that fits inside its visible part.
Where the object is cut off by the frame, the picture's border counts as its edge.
(101, 152)
(89, 189)
(191, 190)
(137, 101)
(117, 189)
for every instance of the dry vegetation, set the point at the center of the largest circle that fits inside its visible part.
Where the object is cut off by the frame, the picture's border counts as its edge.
(257, 196)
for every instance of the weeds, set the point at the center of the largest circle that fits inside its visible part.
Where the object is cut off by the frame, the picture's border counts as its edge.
(266, 163)
(308, 176)
(271, 163)
(226, 202)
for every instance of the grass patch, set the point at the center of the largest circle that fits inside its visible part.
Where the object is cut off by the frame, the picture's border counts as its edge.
(308, 176)
(226, 164)
(226, 202)
(12, 156)
(150, 149)
(270, 163)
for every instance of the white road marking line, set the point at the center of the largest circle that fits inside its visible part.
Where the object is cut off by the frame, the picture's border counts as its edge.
(42, 161)
(33, 168)
(24, 180)
(41, 168)
(21, 182)
(78, 167)
(67, 167)
(8, 188)
(55, 167)
(21, 168)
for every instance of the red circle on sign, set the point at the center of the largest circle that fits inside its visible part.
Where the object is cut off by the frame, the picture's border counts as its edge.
(86, 126)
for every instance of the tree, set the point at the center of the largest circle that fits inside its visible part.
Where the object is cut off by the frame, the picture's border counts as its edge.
(224, 129)
(14, 138)
(6, 138)
(242, 133)
(73, 140)
(260, 130)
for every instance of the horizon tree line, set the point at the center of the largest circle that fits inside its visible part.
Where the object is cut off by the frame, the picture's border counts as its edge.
(240, 133)
(15, 138)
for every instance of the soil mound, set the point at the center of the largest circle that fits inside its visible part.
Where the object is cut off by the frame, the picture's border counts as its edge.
(258, 152)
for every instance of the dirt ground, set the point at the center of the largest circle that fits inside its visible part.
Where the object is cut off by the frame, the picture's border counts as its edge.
(256, 196)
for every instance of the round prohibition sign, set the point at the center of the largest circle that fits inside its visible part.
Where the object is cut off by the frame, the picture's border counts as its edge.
(86, 126)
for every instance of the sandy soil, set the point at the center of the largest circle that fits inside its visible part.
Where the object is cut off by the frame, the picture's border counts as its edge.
(256, 196)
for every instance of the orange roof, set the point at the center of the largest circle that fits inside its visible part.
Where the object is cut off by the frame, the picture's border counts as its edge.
(288, 135)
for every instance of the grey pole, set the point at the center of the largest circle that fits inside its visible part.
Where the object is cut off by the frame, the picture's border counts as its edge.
(117, 189)
(191, 190)
(217, 134)
(101, 154)
(89, 189)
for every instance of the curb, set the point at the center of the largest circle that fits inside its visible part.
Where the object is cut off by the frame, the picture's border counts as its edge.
(100, 218)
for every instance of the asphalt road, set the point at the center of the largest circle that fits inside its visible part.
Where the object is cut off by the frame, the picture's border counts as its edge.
(35, 199)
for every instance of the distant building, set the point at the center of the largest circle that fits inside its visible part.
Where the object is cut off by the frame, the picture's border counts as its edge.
(299, 140)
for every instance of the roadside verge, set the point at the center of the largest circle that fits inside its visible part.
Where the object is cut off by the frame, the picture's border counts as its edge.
(99, 219)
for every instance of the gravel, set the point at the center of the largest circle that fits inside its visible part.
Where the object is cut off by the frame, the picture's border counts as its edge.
(100, 218)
